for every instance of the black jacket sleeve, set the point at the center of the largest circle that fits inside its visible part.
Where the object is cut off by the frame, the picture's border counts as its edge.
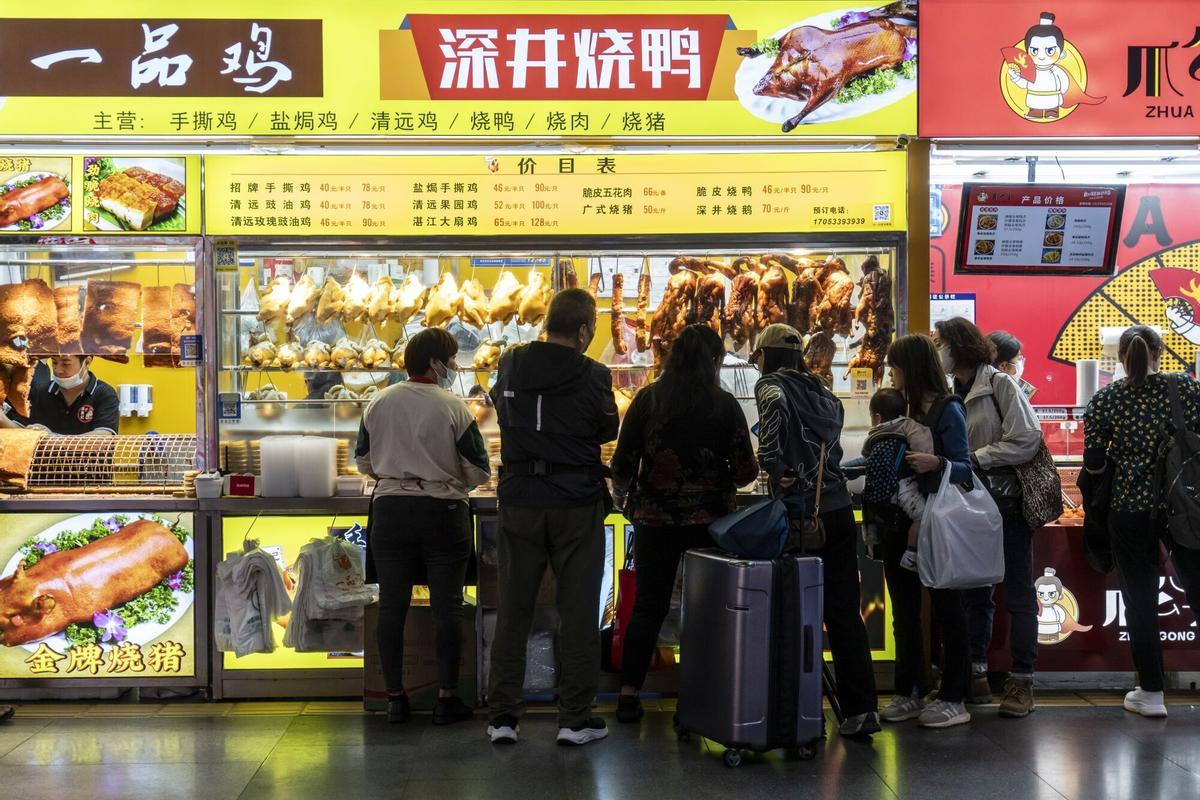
(607, 420)
(631, 443)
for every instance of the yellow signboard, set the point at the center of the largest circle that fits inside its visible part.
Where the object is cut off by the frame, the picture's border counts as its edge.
(99, 194)
(554, 194)
(480, 68)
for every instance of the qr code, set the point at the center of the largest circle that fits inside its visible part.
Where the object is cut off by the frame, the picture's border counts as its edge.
(226, 257)
(882, 214)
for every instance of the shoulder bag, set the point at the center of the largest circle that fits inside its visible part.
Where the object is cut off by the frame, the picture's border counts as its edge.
(1041, 487)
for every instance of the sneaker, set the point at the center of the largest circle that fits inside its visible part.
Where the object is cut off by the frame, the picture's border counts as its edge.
(6, 713)
(909, 559)
(902, 709)
(1018, 698)
(398, 709)
(860, 725)
(590, 731)
(629, 708)
(980, 693)
(449, 710)
(942, 714)
(1148, 704)
(503, 730)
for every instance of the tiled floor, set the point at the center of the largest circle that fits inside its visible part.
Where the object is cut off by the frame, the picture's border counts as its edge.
(1073, 747)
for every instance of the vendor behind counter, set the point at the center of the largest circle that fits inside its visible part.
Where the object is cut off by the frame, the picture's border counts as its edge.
(72, 401)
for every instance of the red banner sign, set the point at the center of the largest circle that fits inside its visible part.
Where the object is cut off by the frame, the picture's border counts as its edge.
(545, 57)
(1087, 68)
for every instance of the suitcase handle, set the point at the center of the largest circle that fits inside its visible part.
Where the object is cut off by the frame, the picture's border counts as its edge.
(808, 648)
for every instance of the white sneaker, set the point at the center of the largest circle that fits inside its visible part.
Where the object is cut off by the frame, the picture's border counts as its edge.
(503, 731)
(592, 730)
(902, 709)
(1148, 704)
(943, 714)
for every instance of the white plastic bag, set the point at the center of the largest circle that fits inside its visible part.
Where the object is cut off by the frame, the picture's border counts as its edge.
(250, 596)
(960, 544)
(328, 611)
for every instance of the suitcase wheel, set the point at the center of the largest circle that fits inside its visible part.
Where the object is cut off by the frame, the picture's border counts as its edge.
(805, 752)
(733, 758)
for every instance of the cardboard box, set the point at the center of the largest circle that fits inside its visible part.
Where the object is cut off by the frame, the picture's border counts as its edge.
(420, 660)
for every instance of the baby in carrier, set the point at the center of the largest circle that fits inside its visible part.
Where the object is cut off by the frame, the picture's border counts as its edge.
(892, 497)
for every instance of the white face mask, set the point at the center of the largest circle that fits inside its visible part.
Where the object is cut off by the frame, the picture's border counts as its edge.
(73, 382)
(1018, 369)
(947, 360)
(446, 376)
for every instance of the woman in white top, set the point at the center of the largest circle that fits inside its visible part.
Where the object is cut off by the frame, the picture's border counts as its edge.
(422, 446)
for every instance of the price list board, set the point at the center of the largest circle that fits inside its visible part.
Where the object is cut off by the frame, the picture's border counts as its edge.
(538, 194)
(1031, 229)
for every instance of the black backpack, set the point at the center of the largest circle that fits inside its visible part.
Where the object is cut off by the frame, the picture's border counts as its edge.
(1177, 476)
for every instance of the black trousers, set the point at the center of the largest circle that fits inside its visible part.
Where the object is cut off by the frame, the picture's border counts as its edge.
(1020, 600)
(1135, 538)
(843, 614)
(905, 592)
(420, 540)
(658, 551)
(951, 616)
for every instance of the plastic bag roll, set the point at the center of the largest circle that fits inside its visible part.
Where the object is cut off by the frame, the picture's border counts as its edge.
(1087, 380)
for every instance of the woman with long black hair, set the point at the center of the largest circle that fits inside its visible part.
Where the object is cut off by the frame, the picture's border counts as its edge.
(800, 429)
(1123, 430)
(917, 373)
(683, 450)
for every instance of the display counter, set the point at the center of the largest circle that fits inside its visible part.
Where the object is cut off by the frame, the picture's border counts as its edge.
(1081, 614)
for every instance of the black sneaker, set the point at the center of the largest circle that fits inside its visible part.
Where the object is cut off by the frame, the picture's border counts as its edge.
(629, 708)
(592, 730)
(6, 713)
(450, 710)
(399, 709)
(503, 730)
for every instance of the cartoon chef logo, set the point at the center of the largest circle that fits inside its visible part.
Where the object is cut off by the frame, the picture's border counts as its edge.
(85, 413)
(1043, 76)
(1058, 611)
(1180, 288)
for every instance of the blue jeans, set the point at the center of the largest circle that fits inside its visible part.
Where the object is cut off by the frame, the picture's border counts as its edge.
(1020, 600)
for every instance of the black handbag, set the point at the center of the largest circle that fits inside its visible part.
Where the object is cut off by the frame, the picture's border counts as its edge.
(1040, 485)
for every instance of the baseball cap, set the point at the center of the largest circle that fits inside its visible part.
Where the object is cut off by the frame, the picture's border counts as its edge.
(780, 336)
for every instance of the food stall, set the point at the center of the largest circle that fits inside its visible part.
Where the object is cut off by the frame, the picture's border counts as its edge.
(688, 164)
(1064, 225)
(100, 257)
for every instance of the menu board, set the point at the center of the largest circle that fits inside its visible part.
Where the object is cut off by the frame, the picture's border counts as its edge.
(554, 194)
(99, 194)
(1031, 229)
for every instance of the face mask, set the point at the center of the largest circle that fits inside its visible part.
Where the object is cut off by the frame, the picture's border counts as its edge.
(947, 360)
(73, 382)
(446, 377)
(1018, 369)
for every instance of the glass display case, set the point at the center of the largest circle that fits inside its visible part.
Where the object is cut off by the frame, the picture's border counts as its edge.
(131, 304)
(308, 334)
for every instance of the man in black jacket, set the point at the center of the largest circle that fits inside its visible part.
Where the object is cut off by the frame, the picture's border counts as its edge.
(555, 408)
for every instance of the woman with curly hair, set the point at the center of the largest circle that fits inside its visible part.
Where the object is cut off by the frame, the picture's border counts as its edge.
(1003, 433)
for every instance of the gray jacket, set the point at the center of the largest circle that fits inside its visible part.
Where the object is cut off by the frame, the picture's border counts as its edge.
(997, 442)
